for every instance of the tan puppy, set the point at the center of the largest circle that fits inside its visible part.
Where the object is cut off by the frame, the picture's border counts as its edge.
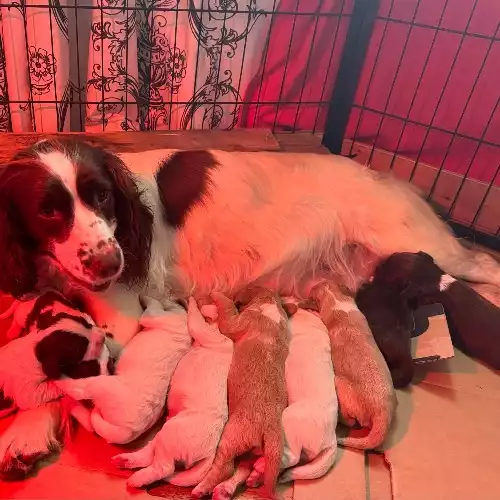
(362, 378)
(256, 387)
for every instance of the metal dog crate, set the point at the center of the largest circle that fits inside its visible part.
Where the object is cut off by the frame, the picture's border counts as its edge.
(408, 86)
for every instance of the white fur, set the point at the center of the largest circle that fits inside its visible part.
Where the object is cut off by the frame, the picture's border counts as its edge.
(310, 419)
(87, 228)
(298, 214)
(271, 311)
(130, 402)
(289, 218)
(197, 411)
(445, 282)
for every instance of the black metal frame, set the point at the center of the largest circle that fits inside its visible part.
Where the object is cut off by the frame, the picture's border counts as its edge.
(343, 102)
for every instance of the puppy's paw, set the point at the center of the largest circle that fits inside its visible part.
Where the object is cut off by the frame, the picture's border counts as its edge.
(254, 479)
(201, 491)
(222, 492)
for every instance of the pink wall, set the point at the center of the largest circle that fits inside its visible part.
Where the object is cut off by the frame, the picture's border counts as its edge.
(447, 108)
(465, 102)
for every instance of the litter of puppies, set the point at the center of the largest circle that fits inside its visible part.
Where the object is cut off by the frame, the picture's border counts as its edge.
(252, 388)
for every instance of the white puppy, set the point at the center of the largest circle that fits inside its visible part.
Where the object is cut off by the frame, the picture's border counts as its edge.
(310, 419)
(197, 411)
(130, 402)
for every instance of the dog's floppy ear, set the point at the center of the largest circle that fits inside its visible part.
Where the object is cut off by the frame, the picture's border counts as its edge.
(134, 231)
(18, 274)
(59, 352)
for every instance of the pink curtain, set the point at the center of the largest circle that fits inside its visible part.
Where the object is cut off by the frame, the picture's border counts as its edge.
(128, 64)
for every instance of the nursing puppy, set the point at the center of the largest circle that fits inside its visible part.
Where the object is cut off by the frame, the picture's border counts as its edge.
(473, 320)
(60, 341)
(363, 382)
(256, 387)
(310, 419)
(131, 401)
(197, 412)
(390, 320)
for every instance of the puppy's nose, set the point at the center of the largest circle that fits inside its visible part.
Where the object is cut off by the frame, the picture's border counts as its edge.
(108, 263)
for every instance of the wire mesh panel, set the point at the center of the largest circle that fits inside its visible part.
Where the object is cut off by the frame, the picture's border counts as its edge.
(426, 105)
(107, 65)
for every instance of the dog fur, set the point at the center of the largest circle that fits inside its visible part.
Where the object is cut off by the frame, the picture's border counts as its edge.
(310, 419)
(390, 319)
(197, 412)
(363, 381)
(472, 319)
(228, 219)
(131, 401)
(256, 385)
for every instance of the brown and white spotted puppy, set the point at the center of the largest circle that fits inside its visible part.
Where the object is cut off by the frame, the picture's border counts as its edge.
(256, 387)
(362, 378)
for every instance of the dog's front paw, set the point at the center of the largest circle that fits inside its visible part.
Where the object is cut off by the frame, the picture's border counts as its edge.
(31, 436)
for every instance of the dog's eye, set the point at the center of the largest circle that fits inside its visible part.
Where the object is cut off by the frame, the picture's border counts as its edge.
(102, 196)
(48, 212)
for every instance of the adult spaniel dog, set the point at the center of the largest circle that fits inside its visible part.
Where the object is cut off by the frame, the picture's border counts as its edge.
(73, 216)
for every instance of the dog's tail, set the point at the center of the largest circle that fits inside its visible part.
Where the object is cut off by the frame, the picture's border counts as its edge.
(317, 468)
(273, 450)
(194, 475)
(376, 436)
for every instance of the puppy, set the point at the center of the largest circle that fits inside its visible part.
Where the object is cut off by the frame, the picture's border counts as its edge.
(363, 382)
(473, 320)
(197, 411)
(256, 386)
(130, 402)
(60, 341)
(310, 419)
(390, 319)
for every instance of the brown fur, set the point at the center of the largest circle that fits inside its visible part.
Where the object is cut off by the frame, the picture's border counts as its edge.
(362, 378)
(256, 386)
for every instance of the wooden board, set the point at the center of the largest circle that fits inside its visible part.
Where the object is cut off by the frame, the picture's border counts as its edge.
(472, 193)
(134, 142)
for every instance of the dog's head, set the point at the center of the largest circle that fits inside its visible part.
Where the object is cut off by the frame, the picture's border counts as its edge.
(414, 275)
(74, 354)
(77, 205)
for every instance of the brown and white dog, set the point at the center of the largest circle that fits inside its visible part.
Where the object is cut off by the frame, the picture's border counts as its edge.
(73, 216)
(362, 379)
(256, 389)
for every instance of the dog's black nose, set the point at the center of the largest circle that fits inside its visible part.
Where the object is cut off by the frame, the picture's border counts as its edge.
(107, 264)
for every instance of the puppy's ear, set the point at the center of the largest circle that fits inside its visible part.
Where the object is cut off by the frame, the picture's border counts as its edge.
(290, 308)
(134, 231)
(310, 303)
(59, 352)
(18, 274)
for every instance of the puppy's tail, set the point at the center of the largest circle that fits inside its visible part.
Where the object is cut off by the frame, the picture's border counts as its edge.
(194, 475)
(273, 450)
(376, 436)
(317, 468)
(110, 432)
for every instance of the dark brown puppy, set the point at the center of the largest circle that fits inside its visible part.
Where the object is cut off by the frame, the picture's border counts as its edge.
(391, 321)
(256, 386)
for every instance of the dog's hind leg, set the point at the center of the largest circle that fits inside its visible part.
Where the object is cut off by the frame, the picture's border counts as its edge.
(140, 458)
(231, 445)
(227, 489)
(155, 472)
